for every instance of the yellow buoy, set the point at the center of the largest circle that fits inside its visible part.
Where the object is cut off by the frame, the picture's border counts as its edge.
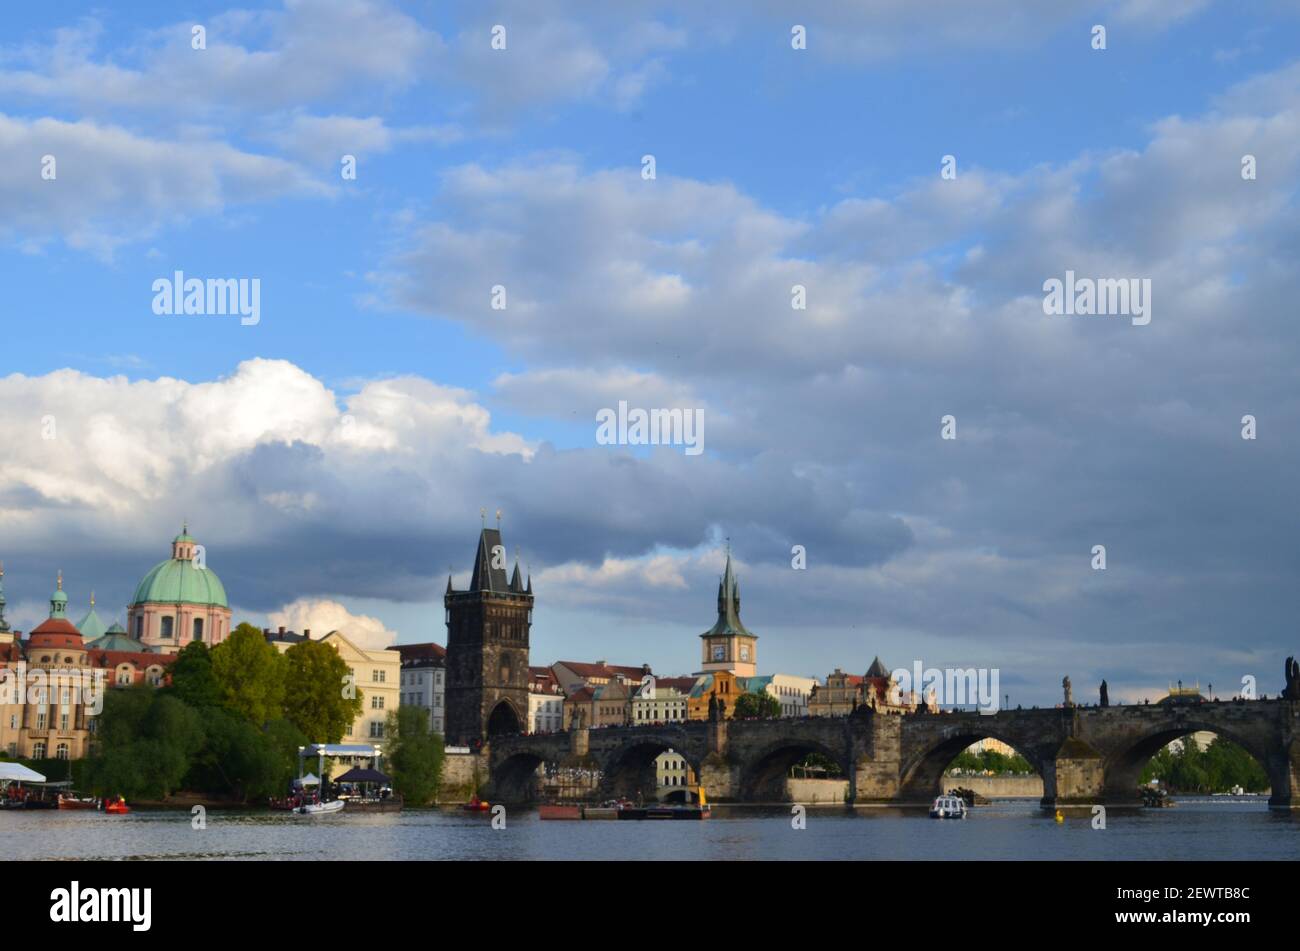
(1060, 816)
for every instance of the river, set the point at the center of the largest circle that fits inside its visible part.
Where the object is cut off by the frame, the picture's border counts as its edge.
(1197, 828)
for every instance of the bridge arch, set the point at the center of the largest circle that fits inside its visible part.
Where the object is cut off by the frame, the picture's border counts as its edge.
(1124, 764)
(629, 770)
(763, 778)
(514, 779)
(922, 775)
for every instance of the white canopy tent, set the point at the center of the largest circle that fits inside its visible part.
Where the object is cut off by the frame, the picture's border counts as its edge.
(18, 773)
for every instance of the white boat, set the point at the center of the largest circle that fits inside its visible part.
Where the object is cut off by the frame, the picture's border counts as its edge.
(317, 808)
(948, 807)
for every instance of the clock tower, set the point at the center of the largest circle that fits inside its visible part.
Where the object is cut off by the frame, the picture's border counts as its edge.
(728, 645)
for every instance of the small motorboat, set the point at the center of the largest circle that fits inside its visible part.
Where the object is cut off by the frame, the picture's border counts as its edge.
(67, 801)
(476, 804)
(116, 806)
(319, 808)
(948, 807)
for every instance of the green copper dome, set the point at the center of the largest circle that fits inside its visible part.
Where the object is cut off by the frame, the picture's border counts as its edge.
(177, 581)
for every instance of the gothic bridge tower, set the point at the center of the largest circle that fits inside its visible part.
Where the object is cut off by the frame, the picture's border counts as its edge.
(488, 628)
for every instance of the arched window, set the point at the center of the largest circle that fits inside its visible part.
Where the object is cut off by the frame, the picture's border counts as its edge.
(61, 751)
(38, 750)
(168, 623)
(198, 629)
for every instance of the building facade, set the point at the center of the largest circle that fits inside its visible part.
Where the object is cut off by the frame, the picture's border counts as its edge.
(424, 681)
(545, 701)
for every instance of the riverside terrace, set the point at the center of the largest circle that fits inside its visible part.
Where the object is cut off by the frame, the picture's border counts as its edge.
(1084, 754)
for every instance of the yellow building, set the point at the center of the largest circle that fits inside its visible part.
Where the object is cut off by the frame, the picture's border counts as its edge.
(723, 685)
(376, 674)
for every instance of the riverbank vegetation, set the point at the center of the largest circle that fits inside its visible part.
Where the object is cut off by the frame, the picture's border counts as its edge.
(1183, 766)
(229, 724)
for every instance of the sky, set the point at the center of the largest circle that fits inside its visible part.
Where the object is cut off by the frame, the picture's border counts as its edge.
(334, 456)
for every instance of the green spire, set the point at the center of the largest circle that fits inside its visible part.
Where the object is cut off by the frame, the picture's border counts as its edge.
(59, 602)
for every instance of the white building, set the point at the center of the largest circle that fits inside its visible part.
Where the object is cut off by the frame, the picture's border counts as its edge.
(545, 701)
(661, 701)
(424, 681)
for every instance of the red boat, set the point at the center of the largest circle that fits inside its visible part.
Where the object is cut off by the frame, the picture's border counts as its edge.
(558, 811)
(476, 804)
(76, 802)
(116, 806)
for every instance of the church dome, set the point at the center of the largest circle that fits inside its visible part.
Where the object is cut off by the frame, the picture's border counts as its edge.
(178, 581)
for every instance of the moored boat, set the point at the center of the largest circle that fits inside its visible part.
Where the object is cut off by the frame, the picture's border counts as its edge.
(67, 801)
(559, 811)
(116, 806)
(476, 804)
(948, 807)
(319, 808)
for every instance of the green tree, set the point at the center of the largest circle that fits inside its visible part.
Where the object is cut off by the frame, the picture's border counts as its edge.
(415, 755)
(318, 697)
(146, 743)
(250, 675)
(750, 705)
(192, 679)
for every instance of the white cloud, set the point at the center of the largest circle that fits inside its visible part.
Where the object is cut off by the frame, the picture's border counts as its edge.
(112, 186)
(321, 616)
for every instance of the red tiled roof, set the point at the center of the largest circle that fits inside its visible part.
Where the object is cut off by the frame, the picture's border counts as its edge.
(421, 652)
(680, 684)
(587, 671)
(141, 659)
(54, 633)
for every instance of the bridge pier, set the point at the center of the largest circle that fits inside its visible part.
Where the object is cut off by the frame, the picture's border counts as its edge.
(1076, 776)
(876, 756)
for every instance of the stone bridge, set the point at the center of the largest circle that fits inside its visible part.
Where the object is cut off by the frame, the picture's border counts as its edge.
(1083, 754)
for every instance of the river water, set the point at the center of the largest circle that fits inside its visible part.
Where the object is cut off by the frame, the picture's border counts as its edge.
(1208, 828)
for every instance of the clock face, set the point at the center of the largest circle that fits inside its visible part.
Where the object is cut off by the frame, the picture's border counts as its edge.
(719, 652)
(744, 652)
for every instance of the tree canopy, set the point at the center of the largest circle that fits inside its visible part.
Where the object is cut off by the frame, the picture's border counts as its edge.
(250, 675)
(414, 755)
(316, 698)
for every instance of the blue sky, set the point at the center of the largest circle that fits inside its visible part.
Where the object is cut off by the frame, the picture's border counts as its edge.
(522, 167)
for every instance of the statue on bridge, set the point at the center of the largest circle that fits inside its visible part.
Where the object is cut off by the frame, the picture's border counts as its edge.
(1069, 691)
(1292, 691)
(1105, 694)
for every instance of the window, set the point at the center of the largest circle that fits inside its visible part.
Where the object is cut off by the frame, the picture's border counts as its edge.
(139, 627)
(168, 625)
(61, 751)
(378, 676)
(63, 723)
(40, 723)
(38, 750)
(376, 729)
(376, 703)
(198, 629)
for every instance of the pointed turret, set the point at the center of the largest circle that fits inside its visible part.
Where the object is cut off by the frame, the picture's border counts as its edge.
(516, 582)
(728, 622)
